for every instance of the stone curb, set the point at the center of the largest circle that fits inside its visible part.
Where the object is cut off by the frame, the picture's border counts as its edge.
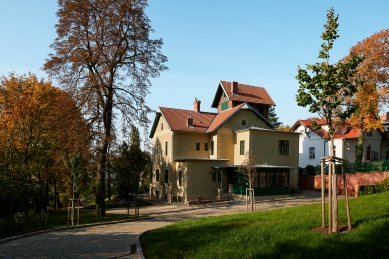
(8, 239)
(139, 247)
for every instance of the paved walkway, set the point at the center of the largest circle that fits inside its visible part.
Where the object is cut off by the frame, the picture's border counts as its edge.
(114, 241)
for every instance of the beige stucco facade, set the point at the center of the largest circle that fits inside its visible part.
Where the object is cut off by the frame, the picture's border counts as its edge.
(189, 170)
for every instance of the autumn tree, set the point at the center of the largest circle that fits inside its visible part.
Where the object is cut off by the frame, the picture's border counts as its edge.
(324, 88)
(284, 127)
(373, 95)
(36, 122)
(273, 118)
(105, 57)
(249, 170)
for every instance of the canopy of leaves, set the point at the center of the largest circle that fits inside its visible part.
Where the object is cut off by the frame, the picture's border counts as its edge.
(324, 88)
(105, 57)
(374, 71)
(37, 122)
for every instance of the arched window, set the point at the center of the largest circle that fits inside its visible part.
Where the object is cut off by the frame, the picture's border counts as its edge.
(368, 151)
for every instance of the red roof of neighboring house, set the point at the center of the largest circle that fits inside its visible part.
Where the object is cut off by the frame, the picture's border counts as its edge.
(307, 123)
(246, 93)
(351, 133)
(177, 119)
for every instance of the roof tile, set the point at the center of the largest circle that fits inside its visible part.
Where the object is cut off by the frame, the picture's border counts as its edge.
(177, 119)
(248, 93)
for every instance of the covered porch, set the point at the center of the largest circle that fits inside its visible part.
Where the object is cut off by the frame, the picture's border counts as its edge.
(270, 180)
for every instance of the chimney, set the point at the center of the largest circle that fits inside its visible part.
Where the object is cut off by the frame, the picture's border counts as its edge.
(189, 122)
(234, 87)
(196, 105)
(387, 116)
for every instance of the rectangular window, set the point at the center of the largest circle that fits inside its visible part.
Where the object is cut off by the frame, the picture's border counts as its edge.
(166, 176)
(213, 176)
(262, 179)
(197, 146)
(369, 134)
(334, 150)
(212, 147)
(312, 153)
(180, 178)
(157, 175)
(165, 148)
(224, 106)
(261, 110)
(241, 152)
(219, 176)
(285, 180)
(205, 146)
(283, 147)
(254, 183)
(161, 126)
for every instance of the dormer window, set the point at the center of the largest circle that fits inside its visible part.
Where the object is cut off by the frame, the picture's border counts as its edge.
(243, 123)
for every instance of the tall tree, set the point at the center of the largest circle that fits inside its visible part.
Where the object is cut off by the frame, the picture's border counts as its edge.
(37, 122)
(273, 117)
(325, 89)
(373, 94)
(105, 57)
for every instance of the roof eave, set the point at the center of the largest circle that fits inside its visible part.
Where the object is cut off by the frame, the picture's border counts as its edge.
(216, 98)
(155, 123)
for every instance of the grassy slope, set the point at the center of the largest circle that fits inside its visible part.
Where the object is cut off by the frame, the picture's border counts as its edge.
(281, 233)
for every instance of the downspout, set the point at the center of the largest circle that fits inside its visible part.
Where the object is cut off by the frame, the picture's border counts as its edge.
(171, 169)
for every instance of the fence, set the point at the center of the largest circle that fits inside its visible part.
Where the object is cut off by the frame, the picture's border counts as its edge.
(372, 166)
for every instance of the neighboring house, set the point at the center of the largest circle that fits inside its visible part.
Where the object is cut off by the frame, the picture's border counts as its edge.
(196, 153)
(314, 144)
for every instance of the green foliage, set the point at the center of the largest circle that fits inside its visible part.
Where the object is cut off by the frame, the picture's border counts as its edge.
(324, 88)
(73, 163)
(310, 169)
(379, 187)
(278, 233)
(130, 165)
(273, 117)
(21, 223)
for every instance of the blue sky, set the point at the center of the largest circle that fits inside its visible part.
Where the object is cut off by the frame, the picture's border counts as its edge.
(254, 42)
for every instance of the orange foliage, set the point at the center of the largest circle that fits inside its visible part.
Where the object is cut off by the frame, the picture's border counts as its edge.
(373, 70)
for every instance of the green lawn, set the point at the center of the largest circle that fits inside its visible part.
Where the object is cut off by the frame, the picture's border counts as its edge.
(280, 233)
(59, 218)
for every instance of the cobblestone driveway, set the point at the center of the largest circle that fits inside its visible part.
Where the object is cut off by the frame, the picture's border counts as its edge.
(114, 241)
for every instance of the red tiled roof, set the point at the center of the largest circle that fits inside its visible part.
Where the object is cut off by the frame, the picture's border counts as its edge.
(351, 133)
(248, 93)
(222, 117)
(178, 118)
(307, 123)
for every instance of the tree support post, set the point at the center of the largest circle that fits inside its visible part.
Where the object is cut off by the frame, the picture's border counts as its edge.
(323, 200)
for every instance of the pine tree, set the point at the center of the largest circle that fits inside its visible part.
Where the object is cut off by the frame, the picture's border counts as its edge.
(273, 117)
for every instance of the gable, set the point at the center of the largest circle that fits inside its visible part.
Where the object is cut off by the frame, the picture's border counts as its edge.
(241, 93)
(233, 118)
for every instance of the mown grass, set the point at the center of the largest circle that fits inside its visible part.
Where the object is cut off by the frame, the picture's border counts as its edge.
(280, 233)
(59, 218)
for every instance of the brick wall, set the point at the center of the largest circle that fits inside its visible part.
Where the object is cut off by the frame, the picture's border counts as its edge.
(353, 180)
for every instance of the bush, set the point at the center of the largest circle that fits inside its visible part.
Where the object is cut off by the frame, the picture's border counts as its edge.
(21, 222)
(310, 169)
(377, 188)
